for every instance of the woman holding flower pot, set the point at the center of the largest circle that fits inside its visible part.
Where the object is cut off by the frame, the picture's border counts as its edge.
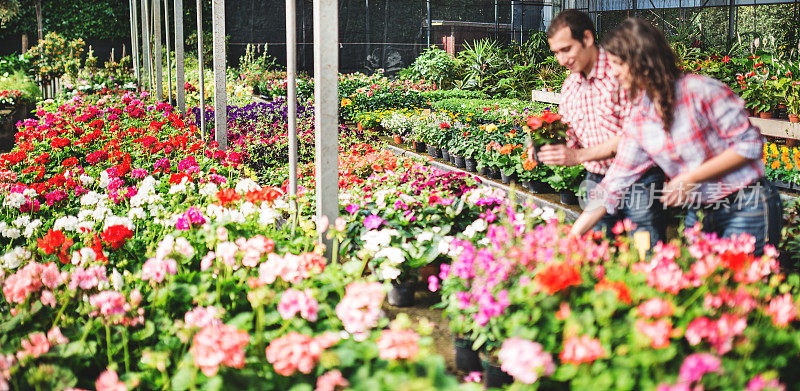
(695, 129)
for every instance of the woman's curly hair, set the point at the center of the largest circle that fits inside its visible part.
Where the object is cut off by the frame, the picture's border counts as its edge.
(653, 64)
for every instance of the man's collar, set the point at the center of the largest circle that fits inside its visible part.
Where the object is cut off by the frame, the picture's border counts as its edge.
(599, 68)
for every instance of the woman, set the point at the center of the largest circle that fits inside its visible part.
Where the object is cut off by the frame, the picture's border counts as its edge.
(697, 131)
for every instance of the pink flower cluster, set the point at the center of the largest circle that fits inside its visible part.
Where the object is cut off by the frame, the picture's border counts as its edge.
(87, 278)
(192, 217)
(692, 370)
(291, 268)
(298, 352)
(30, 279)
(219, 344)
(109, 381)
(655, 308)
(37, 344)
(398, 344)
(719, 333)
(782, 310)
(360, 307)
(657, 331)
(578, 350)
(294, 301)
(203, 316)
(6, 362)
(330, 380)
(760, 383)
(156, 269)
(525, 360)
(113, 306)
(254, 248)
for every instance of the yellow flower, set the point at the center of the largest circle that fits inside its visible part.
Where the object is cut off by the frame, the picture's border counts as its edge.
(491, 128)
(346, 102)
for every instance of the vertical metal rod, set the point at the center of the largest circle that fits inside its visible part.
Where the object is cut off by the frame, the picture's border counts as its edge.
(220, 93)
(157, 49)
(148, 64)
(135, 42)
(366, 26)
(430, 21)
(522, 23)
(169, 54)
(291, 94)
(326, 117)
(496, 21)
(201, 71)
(180, 80)
(513, 25)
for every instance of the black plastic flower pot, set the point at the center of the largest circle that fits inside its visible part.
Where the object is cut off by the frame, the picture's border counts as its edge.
(568, 197)
(432, 150)
(494, 377)
(485, 171)
(452, 158)
(401, 294)
(460, 163)
(538, 187)
(467, 360)
(445, 155)
(472, 164)
(505, 178)
(419, 147)
(495, 173)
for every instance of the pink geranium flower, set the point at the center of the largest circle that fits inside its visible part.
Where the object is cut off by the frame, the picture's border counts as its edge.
(782, 310)
(360, 307)
(578, 350)
(219, 345)
(656, 331)
(655, 308)
(525, 360)
(398, 344)
(330, 380)
(298, 352)
(109, 381)
(294, 301)
(697, 365)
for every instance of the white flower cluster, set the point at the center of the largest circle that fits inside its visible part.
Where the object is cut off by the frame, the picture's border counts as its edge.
(14, 258)
(22, 225)
(146, 198)
(397, 122)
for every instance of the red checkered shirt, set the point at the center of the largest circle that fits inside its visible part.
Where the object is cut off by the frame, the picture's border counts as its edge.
(709, 119)
(594, 106)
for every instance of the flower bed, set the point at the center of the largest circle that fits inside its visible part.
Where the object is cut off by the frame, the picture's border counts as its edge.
(585, 313)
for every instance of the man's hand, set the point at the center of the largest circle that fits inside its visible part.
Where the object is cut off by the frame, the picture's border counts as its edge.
(676, 191)
(559, 155)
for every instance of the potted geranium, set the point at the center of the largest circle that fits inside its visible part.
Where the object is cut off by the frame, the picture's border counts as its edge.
(565, 181)
(546, 129)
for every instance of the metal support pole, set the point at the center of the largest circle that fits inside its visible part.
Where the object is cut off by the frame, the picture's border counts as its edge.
(291, 95)
(366, 27)
(731, 22)
(148, 64)
(180, 91)
(157, 43)
(430, 21)
(513, 26)
(496, 21)
(135, 42)
(202, 89)
(169, 54)
(326, 105)
(220, 93)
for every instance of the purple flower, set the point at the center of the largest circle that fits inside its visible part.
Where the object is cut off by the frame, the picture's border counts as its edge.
(372, 222)
(352, 208)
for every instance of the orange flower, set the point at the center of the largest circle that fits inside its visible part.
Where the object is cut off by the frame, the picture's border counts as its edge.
(618, 287)
(529, 164)
(775, 164)
(558, 276)
(549, 117)
(506, 149)
(534, 122)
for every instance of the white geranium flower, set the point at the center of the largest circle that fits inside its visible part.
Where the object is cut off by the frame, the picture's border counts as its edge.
(245, 185)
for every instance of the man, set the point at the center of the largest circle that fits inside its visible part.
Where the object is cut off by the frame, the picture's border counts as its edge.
(595, 106)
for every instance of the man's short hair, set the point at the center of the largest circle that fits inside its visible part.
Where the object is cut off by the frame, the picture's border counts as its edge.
(577, 21)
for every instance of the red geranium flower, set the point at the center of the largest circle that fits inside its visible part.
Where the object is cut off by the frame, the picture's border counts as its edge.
(550, 117)
(267, 194)
(534, 122)
(227, 196)
(558, 276)
(736, 261)
(54, 242)
(618, 287)
(116, 235)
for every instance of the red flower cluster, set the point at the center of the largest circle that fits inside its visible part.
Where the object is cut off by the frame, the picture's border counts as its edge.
(116, 235)
(54, 242)
(556, 277)
(227, 196)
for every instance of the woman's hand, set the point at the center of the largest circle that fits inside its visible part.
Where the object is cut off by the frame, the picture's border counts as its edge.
(676, 192)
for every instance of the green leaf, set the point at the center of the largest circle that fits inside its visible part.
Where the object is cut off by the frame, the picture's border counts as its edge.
(213, 384)
(184, 378)
(243, 321)
(565, 372)
(146, 332)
